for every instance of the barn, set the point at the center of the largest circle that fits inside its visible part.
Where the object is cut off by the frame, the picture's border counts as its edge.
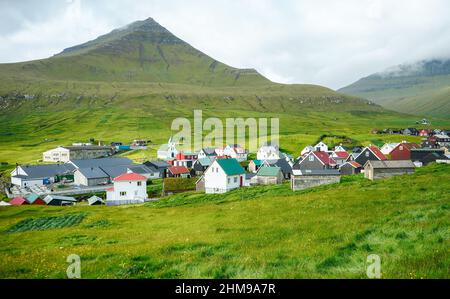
(374, 170)
(268, 175)
(350, 168)
(403, 151)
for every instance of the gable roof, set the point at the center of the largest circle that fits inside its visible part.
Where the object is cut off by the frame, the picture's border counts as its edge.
(391, 164)
(376, 151)
(324, 158)
(342, 155)
(102, 162)
(158, 164)
(355, 164)
(47, 170)
(17, 201)
(115, 171)
(142, 169)
(205, 161)
(31, 198)
(268, 171)
(178, 169)
(209, 151)
(93, 172)
(257, 162)
(230, 166)
(94, 199)
(406, 145)
(49, 198)
(282, 163)
(130, 177)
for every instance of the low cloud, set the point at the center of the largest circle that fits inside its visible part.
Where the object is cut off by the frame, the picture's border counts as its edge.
(331, 43)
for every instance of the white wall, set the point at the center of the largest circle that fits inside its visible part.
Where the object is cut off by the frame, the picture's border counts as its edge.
(216, 180)
(133, 191)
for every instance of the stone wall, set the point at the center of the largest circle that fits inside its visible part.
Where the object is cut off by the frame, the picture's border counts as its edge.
(374, 174)
(304, 182)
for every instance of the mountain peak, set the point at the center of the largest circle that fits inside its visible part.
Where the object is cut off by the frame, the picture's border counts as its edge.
(147, 30)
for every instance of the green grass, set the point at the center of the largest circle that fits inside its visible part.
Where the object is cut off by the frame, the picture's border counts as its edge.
(259, 232)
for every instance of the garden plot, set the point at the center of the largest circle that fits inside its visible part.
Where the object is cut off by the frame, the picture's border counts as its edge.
(44, 223)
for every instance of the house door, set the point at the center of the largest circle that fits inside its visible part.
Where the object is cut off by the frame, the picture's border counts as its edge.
(241, 182)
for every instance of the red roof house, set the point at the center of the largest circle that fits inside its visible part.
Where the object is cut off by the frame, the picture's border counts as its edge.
(325, 158)
(425, 132)
(130, 177)
(377, 152)
(403, 151)
(18, 201)
(178, 171)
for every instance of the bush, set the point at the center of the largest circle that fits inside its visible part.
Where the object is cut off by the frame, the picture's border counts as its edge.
(179, 184)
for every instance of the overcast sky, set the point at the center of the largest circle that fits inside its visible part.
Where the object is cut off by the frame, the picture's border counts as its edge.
(331, 43)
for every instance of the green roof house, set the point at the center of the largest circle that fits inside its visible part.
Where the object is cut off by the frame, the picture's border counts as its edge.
(268, 175)
(34, 199)
(224, 175)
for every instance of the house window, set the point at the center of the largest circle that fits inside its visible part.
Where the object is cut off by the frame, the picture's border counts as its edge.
(139, 183)
(123, 193)
(401, 147)
(311, 158)
(367, 154)
(228, 180)
(235, 179)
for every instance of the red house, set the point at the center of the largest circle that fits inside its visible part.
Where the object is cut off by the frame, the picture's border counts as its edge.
(186, 156)
(178, 171)
(425, 132)
(403, 151)
(18, 201)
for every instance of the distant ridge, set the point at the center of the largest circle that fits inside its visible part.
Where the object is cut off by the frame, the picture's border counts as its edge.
(421, 88)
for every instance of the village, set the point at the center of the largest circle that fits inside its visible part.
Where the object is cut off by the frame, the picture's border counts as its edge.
(94, 175)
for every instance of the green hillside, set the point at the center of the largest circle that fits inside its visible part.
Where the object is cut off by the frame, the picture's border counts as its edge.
(258, 232)
(143, 51)
(422, 89)
(132, 82)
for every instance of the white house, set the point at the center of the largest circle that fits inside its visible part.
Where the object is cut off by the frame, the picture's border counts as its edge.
(207, 153)
(224, 175)
(268, 152)
(67, 153)
(235, 151)
(339, 148)
(321, 147)
(128, 188)
(307, 150)
(387, 148)
(167, 151)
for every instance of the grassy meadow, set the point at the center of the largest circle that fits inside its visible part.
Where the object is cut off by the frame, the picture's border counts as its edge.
(258, 232)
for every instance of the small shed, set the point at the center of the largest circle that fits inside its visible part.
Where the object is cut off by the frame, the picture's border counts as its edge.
(18, 201)
(254, 165)
(34, 199)
(268, 175)
(56, 200)
(4, 204)
(351, 167)
(383, 169)
(95, 201)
